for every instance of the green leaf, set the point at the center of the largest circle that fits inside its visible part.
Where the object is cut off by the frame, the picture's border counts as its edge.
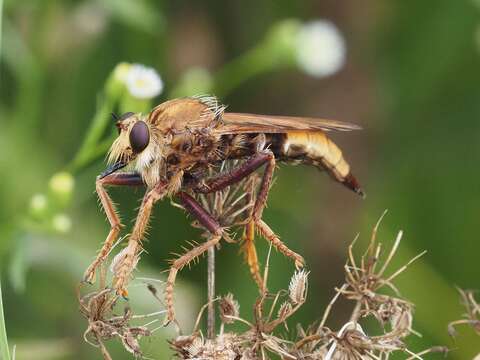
(4, 350)
(139, 14)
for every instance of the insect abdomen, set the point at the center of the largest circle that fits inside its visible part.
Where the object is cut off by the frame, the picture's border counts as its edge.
(317, 149)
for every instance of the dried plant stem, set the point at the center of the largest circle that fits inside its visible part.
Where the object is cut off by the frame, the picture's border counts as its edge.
(211, 293)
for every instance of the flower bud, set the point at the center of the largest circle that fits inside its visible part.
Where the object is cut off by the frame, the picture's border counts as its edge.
(38, 207)
(320, 48)
(61, 223)
(61, 187)
(115, 85)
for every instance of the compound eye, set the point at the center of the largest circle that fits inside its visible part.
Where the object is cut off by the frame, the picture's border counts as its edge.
(139, 137)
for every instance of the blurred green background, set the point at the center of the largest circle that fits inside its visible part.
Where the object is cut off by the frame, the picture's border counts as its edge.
(411, 78)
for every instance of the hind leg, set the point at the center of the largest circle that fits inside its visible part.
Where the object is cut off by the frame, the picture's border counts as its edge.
(261, 226)
(209, 223)
(250, 252)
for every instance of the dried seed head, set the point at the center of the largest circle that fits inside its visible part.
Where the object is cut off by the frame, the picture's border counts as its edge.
(130, 343)
(401, 320)
(284, 310)
(195, 347)
(229, 307)
(223, 347)
(472, 315)
(298, 287)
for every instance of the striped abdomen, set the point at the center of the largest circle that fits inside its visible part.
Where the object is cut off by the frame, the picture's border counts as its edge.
(314, 148)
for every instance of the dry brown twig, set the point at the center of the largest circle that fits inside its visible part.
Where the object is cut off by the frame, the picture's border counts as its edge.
(471, 317)
(98, 307)
(365, 278)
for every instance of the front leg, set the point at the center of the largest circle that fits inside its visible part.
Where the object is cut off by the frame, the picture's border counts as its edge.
(124, 263)
(121, 179)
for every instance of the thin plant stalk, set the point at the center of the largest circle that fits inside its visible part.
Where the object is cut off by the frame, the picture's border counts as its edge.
(211, 293)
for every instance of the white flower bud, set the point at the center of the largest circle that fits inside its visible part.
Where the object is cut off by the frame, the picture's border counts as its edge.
(61, 187)
(320, 48)
(61, 223)
(38, 205)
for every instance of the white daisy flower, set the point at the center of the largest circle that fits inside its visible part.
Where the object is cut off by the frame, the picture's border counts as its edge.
(320, 48)
(143, 82)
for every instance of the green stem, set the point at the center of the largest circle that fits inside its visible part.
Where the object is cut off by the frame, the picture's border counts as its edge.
(4, 350)
(94, 134)
(252, 63)
(1, 15)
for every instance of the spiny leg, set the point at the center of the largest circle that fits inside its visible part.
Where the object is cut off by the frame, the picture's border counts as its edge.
(260, 202)
(269, 235)
(212, 225)
(262, 227)
(124, 263)
(122, 179)
(228, 178)
(248, 245)
(176, 266)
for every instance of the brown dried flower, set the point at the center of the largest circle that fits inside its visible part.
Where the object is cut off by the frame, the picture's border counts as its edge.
(471, 317)
(97, 307)
(298, 287)
(229, 309)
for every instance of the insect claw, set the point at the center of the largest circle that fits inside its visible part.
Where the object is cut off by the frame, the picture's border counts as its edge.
(123, 293)
(88, 278)
(166, 322)
(116, 166)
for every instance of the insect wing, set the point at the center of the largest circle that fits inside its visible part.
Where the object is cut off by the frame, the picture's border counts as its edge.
(234, 123)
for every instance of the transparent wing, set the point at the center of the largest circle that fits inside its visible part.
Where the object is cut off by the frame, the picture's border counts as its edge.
(234, 123)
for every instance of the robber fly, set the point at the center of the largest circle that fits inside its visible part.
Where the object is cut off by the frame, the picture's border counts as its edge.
(170, 151)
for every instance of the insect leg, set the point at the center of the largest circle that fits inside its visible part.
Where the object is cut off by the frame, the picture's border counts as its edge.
(202, 215)
(122, 179)
(248, 244)
(230, 177)
(260, 201)
(248, 247)
(212, 225)
(264, 187)
(262, 227)
(124, 263)
(268, 234)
